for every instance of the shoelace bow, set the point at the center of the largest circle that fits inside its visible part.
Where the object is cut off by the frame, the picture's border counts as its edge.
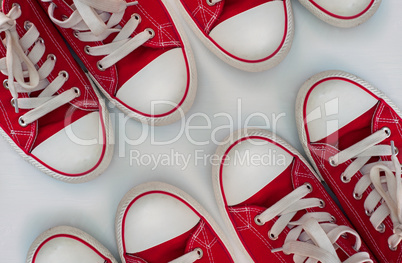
(95, 20)
(20, 66)
(313, 237)
(387, 188)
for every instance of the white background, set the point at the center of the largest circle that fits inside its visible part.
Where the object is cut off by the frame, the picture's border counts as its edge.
(31, 202)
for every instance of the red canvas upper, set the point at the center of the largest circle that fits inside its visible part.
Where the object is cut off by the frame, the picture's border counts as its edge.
(37, 132)
(200, 236)
(153, 15)
(207, 17)
(255, 238)
(381, 115)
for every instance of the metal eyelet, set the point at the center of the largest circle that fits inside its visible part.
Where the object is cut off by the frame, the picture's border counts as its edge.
(77, 92)
(51, 57)
(21, 122)
(332, 162)
(86, 49)
(75, 33)
(64, 17)
(12, 102)
(100, 67)
(40, 40)
(309, 187)
(27, 25)
(333, 219)
(5, 83)
(52, 3)
(368, 213)
(392, 248)
(199, 252)
(272, 236)
(209, 2)
(344, 179)
(396, 150)
(151, 32)
(381, 228)
(387, 131)
(356, 196)
(137, 17)
(16, 5)
(258, 221)
(64, 74)
(322, 203)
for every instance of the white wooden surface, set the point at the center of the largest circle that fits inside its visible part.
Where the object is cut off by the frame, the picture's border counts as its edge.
(31, 202)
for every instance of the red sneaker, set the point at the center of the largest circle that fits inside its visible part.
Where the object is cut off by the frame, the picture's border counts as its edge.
(342, 13)
(351, 132)
(135, 53)
(55, 120)
(157, 223)
(275, 206)
(67, 244)
(249, 35)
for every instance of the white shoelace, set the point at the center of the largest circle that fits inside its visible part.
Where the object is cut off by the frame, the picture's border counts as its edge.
(95, 20)
(387, 188)
(313, 237)
(189, 257)
(20, 66)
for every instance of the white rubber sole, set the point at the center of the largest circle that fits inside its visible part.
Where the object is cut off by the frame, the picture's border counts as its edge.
(339, 22)
(107, 158)
(301, 97)
(69, 231)
(242, 65)
(237, 135)
(192, 89)
(159, 186)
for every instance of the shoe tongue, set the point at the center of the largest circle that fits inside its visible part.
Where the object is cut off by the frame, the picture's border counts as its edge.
(353, 132)
(271, 192)
(167, 251)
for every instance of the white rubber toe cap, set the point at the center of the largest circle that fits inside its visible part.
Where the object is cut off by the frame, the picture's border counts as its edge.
(332, 105)
(346, 8)
(249, 167)
(254, 34)
(74, 150)
(66, 250)
(162, 215)
(158, 87)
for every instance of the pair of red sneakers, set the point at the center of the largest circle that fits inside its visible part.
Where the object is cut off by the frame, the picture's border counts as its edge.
(273, 201)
